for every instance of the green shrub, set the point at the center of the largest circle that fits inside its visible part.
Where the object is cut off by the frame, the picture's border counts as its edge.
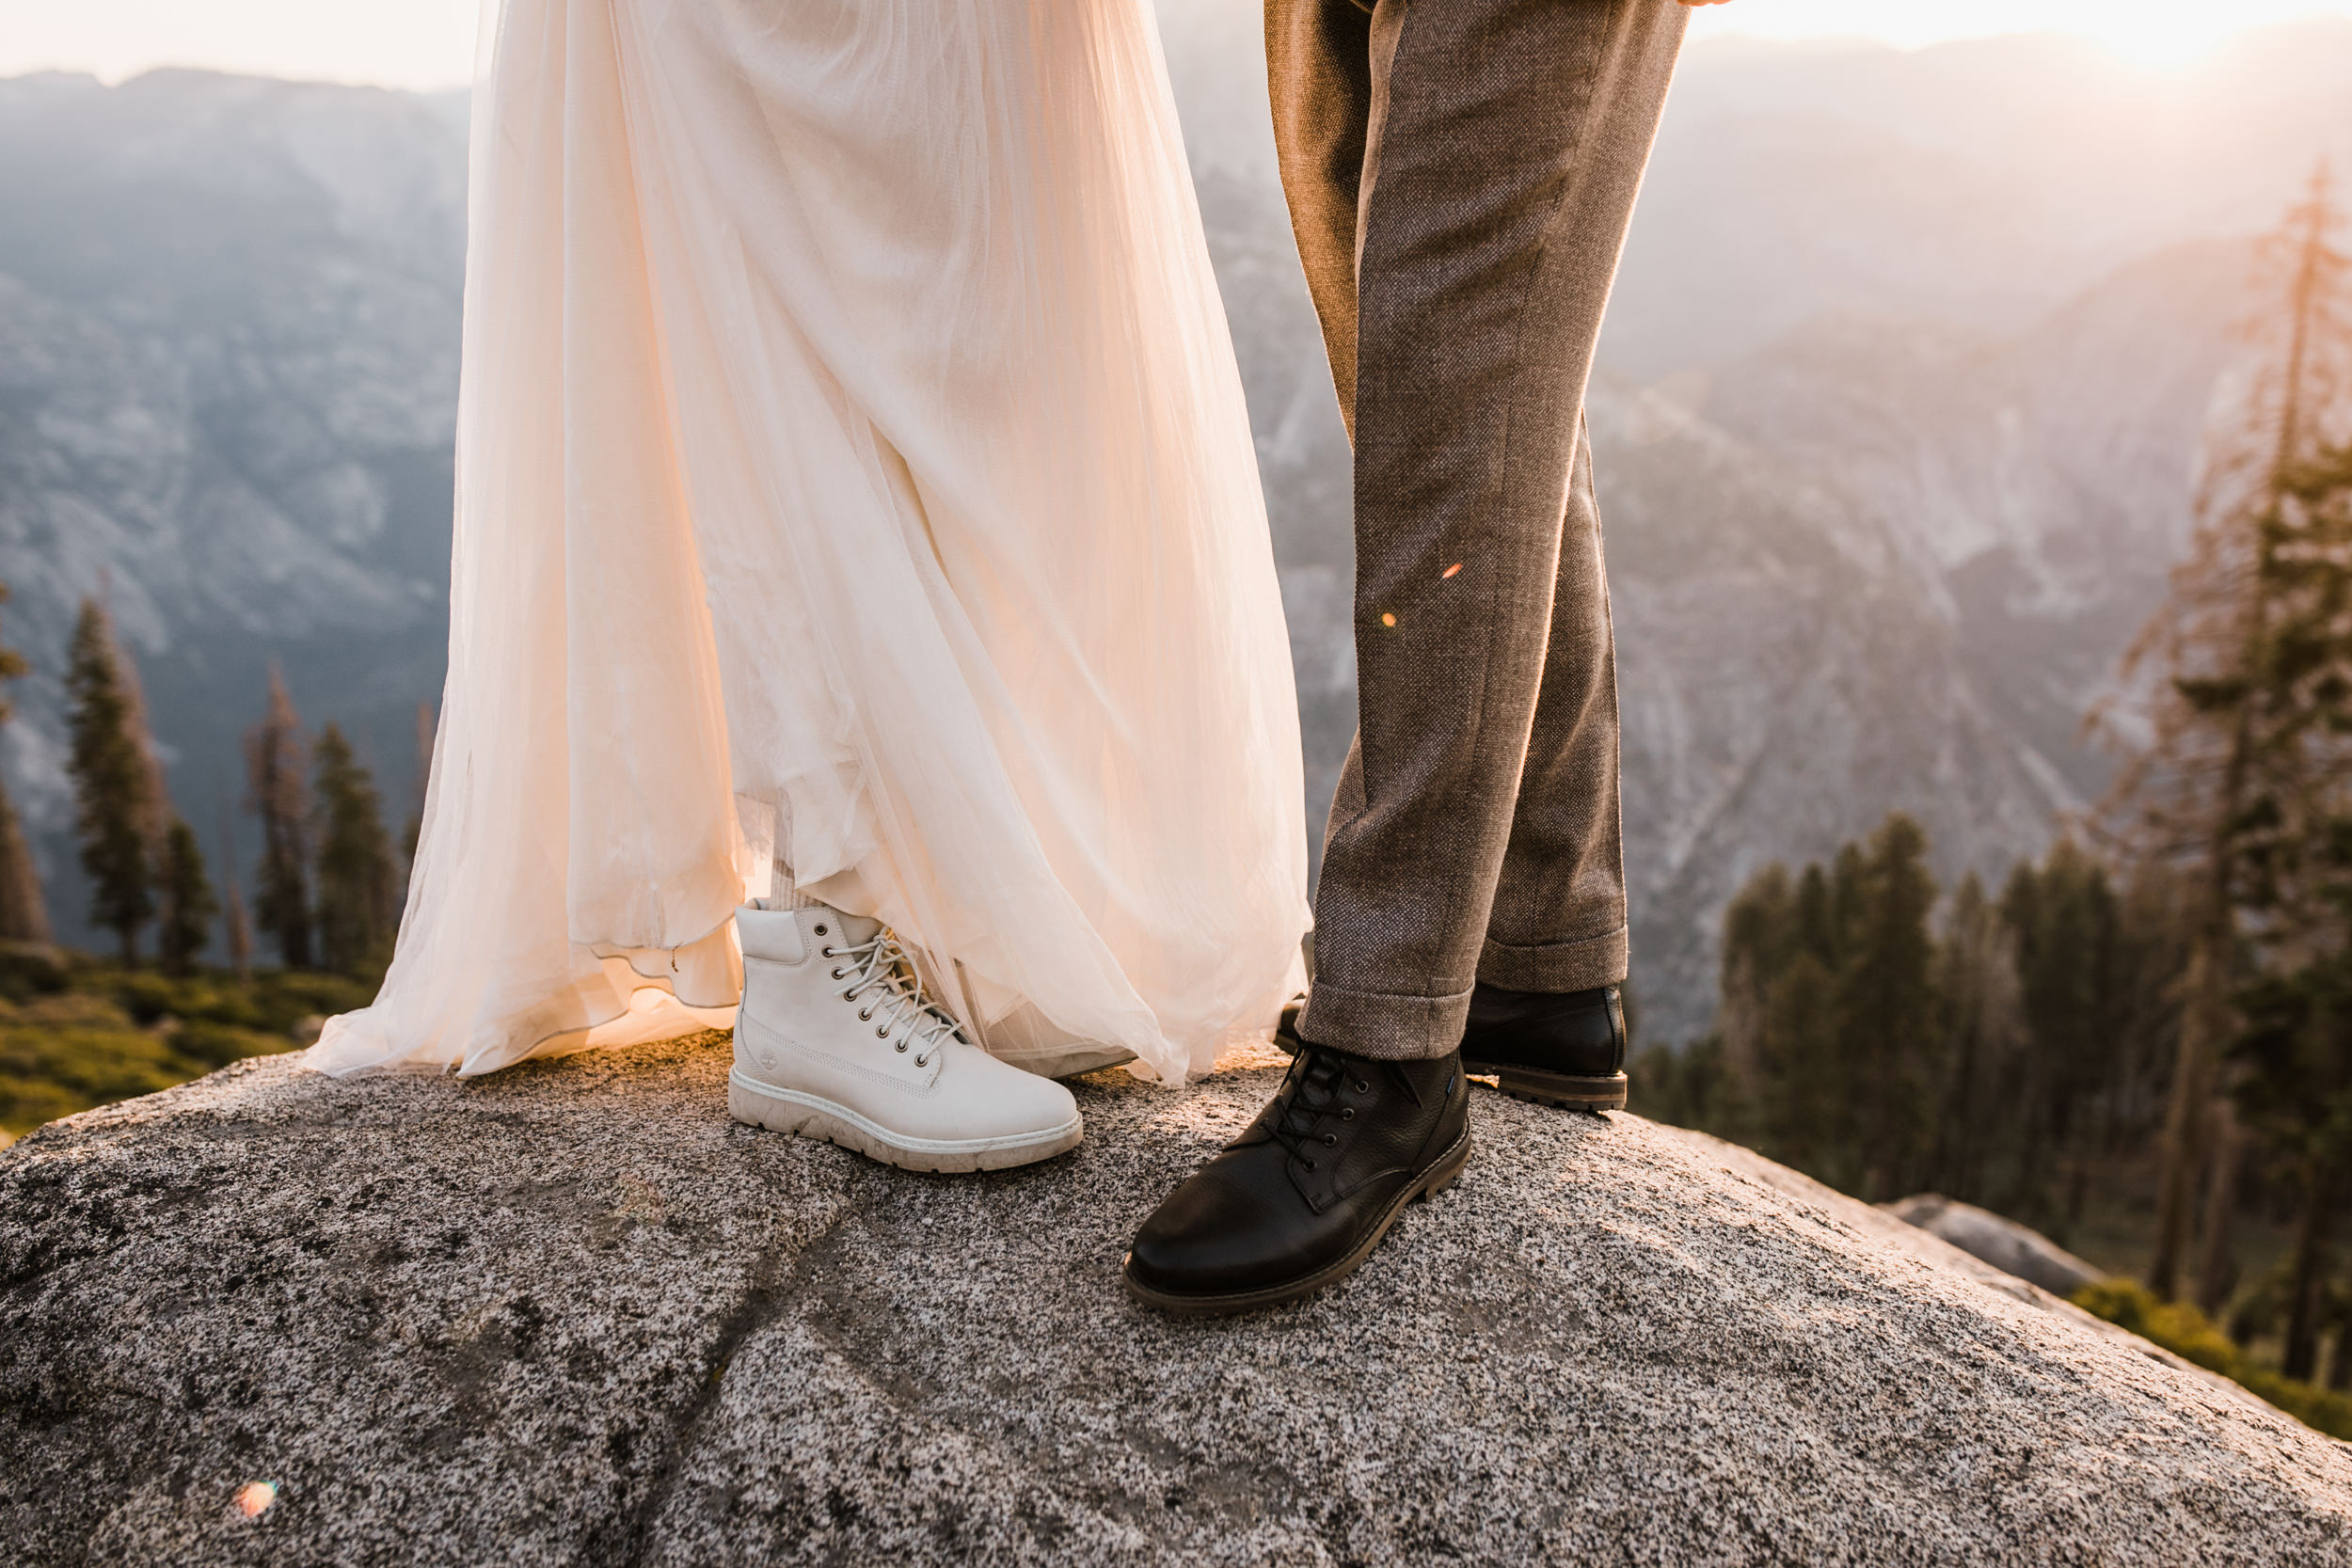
(145, 996)
(285, 998)
(2193, 1337)
(69, 1053)
(28, 970)
(272, 1002)
(216, 1045)
(110, 1034)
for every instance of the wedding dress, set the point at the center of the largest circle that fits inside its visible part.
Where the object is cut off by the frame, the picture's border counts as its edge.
(854, 478)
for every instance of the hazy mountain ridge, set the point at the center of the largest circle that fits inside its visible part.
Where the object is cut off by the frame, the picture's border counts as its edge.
(1887, 482)
(1882, 565)
(228, 383)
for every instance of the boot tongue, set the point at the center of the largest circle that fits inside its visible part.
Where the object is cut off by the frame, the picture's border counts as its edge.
(859, 929)
(1274, 1121)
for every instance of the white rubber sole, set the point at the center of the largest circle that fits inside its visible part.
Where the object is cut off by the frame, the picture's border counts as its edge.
(781, 1110)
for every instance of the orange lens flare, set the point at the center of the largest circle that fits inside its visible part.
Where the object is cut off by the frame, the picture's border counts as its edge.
(1388, 618)
(254, 1498)
(1450, 570)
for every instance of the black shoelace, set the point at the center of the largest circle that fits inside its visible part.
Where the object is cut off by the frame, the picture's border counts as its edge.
(1316, 1078)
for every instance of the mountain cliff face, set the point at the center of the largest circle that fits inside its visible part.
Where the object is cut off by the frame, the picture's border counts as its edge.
(1890, 565)
(227, 388)
(1896, 424)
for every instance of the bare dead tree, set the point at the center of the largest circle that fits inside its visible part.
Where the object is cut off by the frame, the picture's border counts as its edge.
(2188, 781)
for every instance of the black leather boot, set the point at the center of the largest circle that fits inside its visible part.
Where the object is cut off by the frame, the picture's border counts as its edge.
(1562, 1048)
(1301, 1199)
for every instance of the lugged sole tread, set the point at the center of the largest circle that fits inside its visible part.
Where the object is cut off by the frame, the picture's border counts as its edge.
(807, 1121)
(1534, 1097)
(1567, 1091)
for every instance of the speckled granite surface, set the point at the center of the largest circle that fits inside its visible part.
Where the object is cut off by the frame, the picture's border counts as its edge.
(571, 1314)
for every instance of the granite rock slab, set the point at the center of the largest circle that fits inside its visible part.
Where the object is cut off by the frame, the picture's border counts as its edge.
(572, 1314)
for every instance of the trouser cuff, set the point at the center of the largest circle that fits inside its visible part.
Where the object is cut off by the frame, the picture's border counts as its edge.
(1580, 965)
(1383, 1025)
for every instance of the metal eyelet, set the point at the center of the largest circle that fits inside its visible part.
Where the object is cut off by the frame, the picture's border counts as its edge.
(1330, 1140)
(1310, 1164)
(821, 931)
(884, 1033)
(826, 953)
(922, 1061)
(836, 974)
(902, 1045)
(1347, 1112)
(1362, 1087)
(866, 1015)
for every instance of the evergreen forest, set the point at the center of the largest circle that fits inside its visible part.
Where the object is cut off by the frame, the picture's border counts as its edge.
(2140, 1044)
(78, 1030)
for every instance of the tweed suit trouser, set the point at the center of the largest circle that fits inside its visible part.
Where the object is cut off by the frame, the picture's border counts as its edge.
(1460, 175)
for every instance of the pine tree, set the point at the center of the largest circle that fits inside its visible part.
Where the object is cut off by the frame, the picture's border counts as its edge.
(1757, 936)
(1809, 1101)
(1818, 905)
(1830, 1029)
(1983, 1032)
(274, 757)
(23, 912)
(427, 727)
(159, 812)
(2063, 920)
(2192, 794)
(2154, 909)
(1804, 1104)
(236, 930)
(188, 899)
(116, 806)
(1888, 1047)
(2296, 1048)
(357, 879)
(2299, 1041)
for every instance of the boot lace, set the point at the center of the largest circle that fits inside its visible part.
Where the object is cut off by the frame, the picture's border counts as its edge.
(1316, 1078)
(883, 975)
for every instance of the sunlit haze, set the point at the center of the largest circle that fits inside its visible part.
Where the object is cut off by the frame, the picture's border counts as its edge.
(2156, 32)
(430, 42)
(409, 43)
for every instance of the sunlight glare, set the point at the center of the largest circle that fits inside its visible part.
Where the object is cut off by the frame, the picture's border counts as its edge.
(2165, 35)
(2156, 34)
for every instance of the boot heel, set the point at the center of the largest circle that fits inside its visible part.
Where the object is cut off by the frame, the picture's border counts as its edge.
(1567, 1091)
(1445, 1176)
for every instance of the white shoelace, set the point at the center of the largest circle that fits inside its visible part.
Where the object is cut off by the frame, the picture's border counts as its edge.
(886, 969)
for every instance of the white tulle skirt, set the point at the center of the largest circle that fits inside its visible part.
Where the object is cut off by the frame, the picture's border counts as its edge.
(854, 478)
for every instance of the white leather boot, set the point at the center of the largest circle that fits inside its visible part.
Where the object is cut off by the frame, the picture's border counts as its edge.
(837, 1040)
